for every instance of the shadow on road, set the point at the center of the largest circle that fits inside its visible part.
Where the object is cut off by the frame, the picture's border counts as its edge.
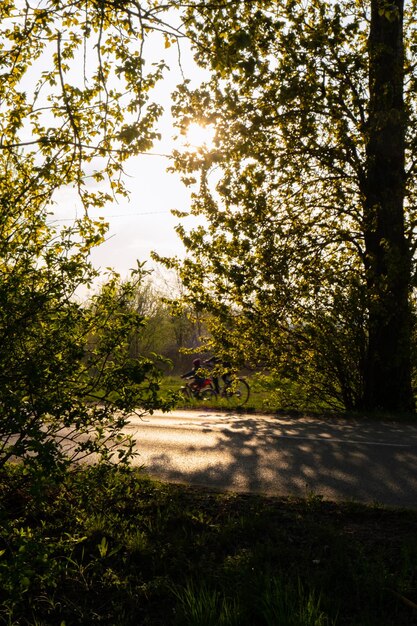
(339, 460)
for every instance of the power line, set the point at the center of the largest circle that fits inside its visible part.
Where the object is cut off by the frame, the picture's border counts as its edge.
(68, 219)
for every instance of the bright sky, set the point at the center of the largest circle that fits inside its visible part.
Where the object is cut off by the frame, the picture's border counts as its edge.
(143, 222)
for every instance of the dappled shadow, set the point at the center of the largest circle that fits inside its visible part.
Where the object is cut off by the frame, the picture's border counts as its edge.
(335, 458)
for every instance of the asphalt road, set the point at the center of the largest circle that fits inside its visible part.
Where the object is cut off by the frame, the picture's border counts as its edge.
(338, 459)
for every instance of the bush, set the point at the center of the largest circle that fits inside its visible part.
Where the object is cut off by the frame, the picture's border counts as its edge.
(67, 383)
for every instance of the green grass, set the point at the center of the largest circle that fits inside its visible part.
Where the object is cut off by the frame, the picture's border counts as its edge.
(266, 397)
(259, 399)
(115, 548)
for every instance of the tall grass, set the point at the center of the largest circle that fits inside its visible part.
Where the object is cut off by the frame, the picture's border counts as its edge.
(200, 605)
(114, 548)
(289, 604)
(280, 603)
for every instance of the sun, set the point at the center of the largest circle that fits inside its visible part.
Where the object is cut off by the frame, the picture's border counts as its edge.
(199, 136)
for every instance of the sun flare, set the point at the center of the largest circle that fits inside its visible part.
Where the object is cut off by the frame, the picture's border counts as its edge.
(199, 136)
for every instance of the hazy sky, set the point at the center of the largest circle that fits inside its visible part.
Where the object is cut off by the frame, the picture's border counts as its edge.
(143, 222)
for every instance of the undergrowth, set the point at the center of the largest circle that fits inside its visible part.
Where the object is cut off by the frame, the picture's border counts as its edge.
(108, 546)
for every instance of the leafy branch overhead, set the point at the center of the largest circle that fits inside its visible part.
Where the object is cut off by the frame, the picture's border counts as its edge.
(75, 94)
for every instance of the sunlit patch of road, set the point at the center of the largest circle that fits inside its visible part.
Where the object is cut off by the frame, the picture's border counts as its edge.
(339, 458)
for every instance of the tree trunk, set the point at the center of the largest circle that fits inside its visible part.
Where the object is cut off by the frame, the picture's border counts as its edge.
(388, 267)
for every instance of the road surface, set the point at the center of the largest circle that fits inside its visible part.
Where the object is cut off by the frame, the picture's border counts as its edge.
(339, 459)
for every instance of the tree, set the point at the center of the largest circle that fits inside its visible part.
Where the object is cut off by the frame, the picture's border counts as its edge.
(307, 259)
(67, 383)
(167, 330)
(388, 258)
(74, 105)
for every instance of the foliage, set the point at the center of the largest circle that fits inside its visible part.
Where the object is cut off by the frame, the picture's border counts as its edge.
(66, 380)
(168, 330)
(74, 95)
(106, 546)
(284, 262)
(74, 105)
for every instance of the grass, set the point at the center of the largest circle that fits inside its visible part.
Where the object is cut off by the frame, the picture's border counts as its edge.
(268, 398)
(113, 547)
(259, 399)
(267, 395)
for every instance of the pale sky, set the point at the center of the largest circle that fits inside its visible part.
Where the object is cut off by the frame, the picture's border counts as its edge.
(143, 222)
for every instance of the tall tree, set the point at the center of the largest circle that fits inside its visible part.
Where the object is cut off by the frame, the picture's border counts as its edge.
(307, 257)
(388, 263)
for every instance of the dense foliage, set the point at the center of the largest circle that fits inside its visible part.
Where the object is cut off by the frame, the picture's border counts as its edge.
(67, 382)
(110, 547)
(74, 95)
(306, 261)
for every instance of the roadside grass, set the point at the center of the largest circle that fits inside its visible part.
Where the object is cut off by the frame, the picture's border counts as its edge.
(259, 399)
(111, 546)
(267, 396)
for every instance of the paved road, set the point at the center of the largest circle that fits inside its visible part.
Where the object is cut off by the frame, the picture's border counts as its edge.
(336, 458)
